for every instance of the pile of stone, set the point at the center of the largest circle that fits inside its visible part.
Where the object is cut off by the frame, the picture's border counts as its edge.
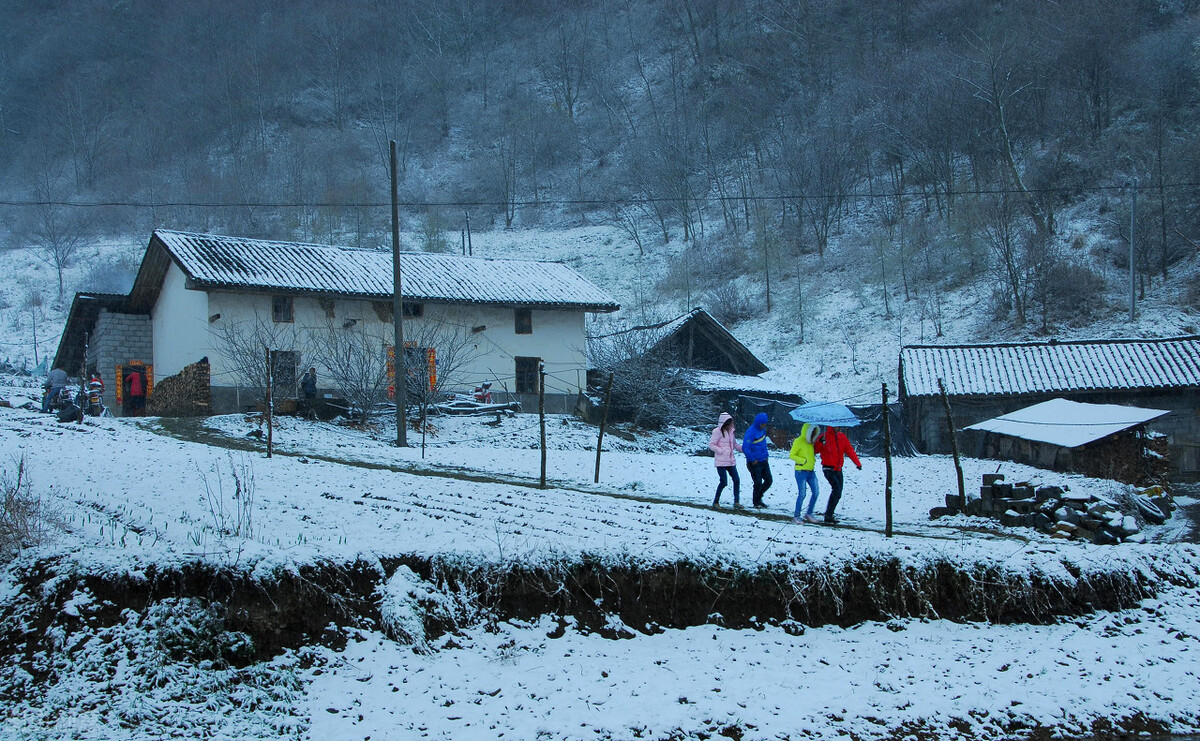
(187, 394)
(1061, 513)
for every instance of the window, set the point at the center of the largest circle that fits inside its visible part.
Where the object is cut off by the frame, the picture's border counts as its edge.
(326, 305)
(281, 308)
(412, 309)
(524, 320)
(527, 375)
(283, 372)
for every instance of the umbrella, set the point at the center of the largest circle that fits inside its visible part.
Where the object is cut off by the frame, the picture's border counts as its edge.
(827, 413)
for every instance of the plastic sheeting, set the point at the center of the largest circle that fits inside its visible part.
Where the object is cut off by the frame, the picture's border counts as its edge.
(867, 437)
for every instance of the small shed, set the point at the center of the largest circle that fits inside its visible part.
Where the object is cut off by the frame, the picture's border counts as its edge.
(989, 380)
(1101, 440)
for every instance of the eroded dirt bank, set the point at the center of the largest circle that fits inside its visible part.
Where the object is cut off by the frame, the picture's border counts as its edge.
(291, 607)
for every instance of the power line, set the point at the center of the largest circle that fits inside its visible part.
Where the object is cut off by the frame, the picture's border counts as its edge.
(594, 202)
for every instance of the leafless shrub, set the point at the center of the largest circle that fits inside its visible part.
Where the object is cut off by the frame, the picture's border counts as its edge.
(727, 304)
(649, 384)
(24, 518)
(230, 499)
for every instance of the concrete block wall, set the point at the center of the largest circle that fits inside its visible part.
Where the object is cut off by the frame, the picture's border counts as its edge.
(118, 339)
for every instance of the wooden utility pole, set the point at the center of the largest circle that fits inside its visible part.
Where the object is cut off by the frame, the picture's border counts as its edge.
(887, 481)
(270, 398)
(470, 250)
(399, 364)
(542, 418)
(962, 491)
(603, 421)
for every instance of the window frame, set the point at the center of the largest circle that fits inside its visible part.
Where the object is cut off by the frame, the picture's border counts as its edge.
(522, 320)
(278, 302)
(526, 374)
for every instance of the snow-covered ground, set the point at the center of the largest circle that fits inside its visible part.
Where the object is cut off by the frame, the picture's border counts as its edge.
(134, 493)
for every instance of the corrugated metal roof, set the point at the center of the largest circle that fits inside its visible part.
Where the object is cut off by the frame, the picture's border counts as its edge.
(213, 261)
(1051, 367)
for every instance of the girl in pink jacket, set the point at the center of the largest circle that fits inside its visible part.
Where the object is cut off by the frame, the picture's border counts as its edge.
(723, 443)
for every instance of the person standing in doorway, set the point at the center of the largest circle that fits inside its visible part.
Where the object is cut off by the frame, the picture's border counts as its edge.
(754, 446)
(136, 387)
(805, 458)
(723, 443)
(308, 392)
(834, 446)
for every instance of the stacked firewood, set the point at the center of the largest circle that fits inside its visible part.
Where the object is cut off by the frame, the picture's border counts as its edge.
(187, 394)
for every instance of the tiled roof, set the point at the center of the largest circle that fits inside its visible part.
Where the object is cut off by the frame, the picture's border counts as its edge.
(1051, 367)
(214, 262)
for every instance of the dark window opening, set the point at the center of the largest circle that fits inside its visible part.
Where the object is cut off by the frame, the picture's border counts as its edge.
(326, 305)
(281, 308)
(413, 309)
(527, 375)
(524, 320)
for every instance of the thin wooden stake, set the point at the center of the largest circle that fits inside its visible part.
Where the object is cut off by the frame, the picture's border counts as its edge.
(603, 421)
(270, 398)
(962, 490)
(542, 418)
(887, 482)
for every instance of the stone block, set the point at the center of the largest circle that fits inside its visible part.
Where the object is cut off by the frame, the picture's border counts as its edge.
(1022, 506)
(1002, 491)
(1061, 535)
(937, 512)
(1104, 537)
(1046, 493)
(1068, 515)
(1023, 491)
(991, 478)
(985, 493)
(1012, 519)
(1042, 522)
(974, 507)
(1066, 527)
(955, 501)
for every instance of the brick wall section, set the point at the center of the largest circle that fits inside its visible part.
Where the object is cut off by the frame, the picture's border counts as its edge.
(117, 339)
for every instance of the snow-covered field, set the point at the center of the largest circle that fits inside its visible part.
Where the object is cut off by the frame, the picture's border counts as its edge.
(134, 493)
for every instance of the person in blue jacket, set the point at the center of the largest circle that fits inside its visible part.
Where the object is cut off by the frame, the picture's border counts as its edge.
(754, 447)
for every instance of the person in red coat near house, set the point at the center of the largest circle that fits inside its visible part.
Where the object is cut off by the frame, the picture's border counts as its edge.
(834, 446)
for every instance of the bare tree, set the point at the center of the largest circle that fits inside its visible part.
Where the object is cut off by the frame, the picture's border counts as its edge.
(244, 345)
(355, 361)
(650, 385)
(54, 229)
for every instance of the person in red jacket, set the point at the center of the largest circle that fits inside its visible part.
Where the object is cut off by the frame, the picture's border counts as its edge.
(834, 446)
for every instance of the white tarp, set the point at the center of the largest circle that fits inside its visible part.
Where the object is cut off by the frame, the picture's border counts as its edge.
(1067, 423)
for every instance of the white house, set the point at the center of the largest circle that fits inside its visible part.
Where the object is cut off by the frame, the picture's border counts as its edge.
(194, 291)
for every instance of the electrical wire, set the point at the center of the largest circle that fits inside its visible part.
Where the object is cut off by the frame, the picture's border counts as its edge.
(594, 202)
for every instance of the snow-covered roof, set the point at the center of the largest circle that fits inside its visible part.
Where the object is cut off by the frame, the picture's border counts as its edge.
(1067, 423)
(698, 337)
(706, 380)
(233, 263)
(1051, 367)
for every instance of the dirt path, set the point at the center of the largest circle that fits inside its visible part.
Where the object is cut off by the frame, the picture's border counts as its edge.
(194, 430)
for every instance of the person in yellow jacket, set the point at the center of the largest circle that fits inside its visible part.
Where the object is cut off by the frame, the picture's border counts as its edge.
(805, 458)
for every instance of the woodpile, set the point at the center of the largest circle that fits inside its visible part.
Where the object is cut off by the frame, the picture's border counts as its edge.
(1061, 513)
(187, 394)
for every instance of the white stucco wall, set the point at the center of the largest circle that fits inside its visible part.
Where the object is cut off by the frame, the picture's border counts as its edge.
(179, 322)
(557, 337)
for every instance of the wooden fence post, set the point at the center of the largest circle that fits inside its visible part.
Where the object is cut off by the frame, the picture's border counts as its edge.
(962, 491)
(603, 421)
(542, 418)
(887, 482)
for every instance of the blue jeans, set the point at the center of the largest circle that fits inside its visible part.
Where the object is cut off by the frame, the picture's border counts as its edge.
(50, 394)
(810, 477)
(737, 484)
